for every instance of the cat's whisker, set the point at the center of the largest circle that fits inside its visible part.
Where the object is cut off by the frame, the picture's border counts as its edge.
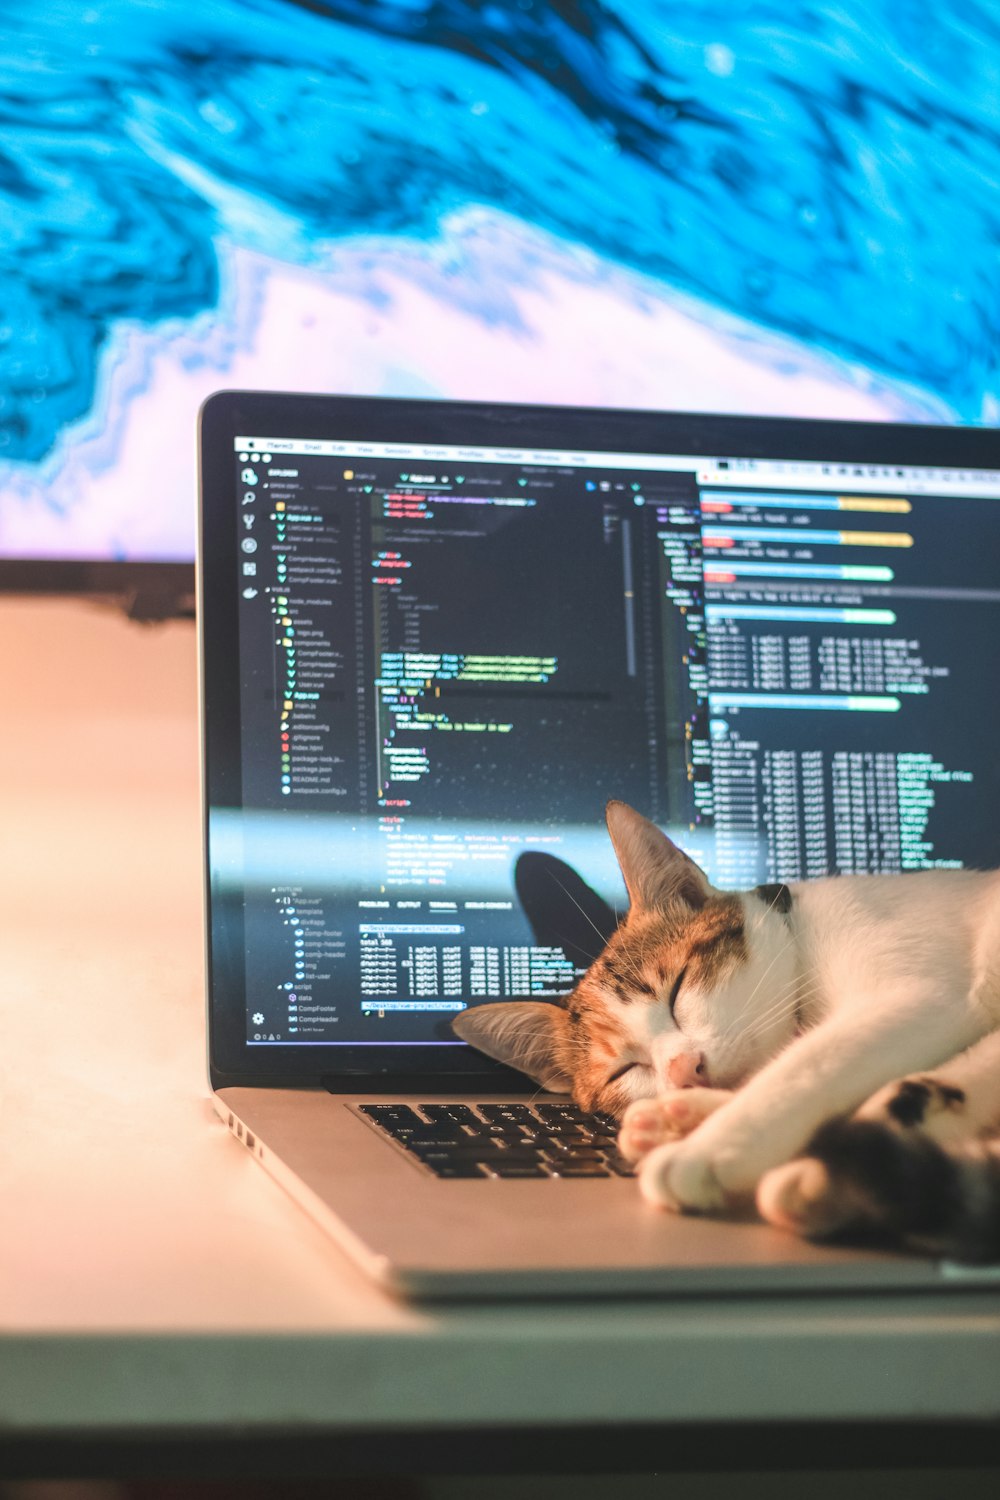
(587, 917)
(787, 1005)
(737, 1019)
(590, 957)
(793, 994)
(790, 1001)
(770, 1018)
(781, 951)
(633, 964)
(789, 998)
(797, 989)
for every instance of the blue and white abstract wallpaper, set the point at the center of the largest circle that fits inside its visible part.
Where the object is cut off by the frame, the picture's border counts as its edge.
(735, 205)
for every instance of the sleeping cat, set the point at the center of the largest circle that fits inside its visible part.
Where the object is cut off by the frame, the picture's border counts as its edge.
(831, 1047)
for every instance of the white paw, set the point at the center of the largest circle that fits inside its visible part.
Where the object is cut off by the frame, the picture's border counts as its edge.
(800, 1196)
(680, 1177)
(648, 1123)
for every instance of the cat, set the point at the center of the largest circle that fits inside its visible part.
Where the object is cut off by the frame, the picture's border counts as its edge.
(829, 1048)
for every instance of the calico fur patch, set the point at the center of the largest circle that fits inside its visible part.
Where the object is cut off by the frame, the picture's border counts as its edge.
(912, 1190)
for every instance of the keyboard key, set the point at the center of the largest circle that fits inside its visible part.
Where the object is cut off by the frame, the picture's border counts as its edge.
(561, 1112)
(457, 1169)
(511, 1153)
(460, 1113)
(517, 1114)
(579, 1169)
(456, 1150)
(471, 1151)
(426, 1131)
(459, 1151)
(619, 1165)
(569, 1157)
(386, 1114)
(514, 1169)
(564, 1145)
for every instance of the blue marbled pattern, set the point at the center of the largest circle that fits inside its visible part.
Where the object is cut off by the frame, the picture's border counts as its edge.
(827, 171)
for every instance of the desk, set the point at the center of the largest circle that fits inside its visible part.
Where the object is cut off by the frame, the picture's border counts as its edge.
(159, 1291)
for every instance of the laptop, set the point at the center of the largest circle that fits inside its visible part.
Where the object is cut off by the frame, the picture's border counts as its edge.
(436, 638)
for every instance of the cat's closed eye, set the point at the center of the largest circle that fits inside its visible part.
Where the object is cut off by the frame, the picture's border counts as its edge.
(676, 991)
(625, 1068)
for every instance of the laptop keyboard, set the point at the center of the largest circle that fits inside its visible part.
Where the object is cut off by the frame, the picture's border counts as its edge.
(504, 1140)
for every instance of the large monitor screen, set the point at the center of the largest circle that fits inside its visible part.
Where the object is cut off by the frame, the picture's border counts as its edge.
(708, 206)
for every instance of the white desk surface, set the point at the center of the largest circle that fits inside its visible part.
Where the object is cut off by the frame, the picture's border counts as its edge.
(152, 1274)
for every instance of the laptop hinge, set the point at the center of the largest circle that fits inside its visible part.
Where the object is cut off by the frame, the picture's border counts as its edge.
(503, 1081)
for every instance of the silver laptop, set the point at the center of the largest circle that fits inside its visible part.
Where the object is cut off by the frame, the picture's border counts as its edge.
(436, 638)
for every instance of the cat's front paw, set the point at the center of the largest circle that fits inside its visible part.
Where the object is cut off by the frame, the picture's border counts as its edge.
(680, 1177)
(648, 1123)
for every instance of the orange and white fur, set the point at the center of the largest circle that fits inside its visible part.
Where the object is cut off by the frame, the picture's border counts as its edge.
(804, 1045)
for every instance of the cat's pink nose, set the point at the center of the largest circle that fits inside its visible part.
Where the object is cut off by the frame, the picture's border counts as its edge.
(686, 1070)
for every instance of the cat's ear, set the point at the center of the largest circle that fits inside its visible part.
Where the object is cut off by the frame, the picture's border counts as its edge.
(524, 1034)
(655, 871)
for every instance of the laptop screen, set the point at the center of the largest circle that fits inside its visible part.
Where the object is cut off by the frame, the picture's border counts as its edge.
(449, 655)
